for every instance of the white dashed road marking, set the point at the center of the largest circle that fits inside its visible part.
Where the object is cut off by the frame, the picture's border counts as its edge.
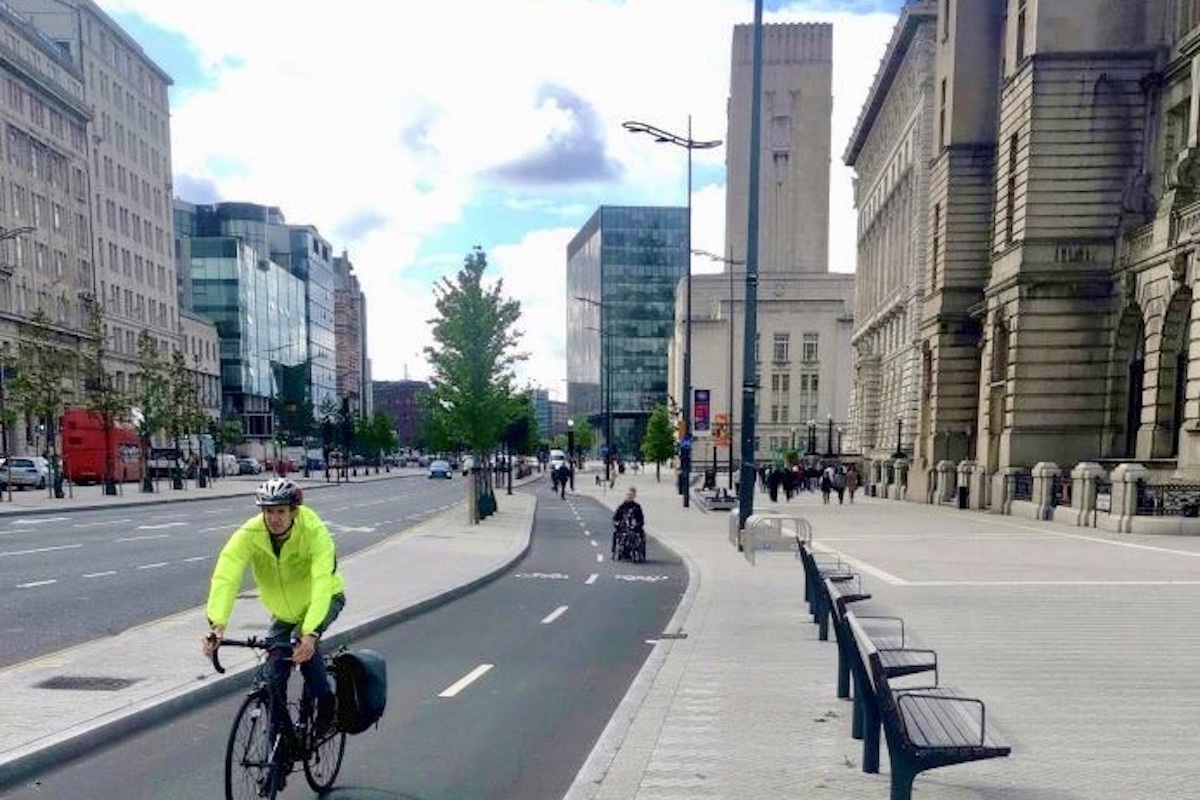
(466, 680)
(553, 615)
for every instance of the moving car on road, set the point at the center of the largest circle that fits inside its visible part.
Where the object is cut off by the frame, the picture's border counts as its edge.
(440, 469)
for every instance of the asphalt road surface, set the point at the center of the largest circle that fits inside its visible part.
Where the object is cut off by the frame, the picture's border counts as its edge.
(72, 577)
(499, 694)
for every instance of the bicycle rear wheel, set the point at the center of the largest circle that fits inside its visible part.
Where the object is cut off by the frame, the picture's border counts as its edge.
(323, 761)
(248, 770)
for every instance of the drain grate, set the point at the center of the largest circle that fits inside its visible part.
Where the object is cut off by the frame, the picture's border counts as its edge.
(86, 683)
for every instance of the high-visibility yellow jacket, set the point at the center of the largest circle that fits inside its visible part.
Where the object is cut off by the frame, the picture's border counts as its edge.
(295, 587)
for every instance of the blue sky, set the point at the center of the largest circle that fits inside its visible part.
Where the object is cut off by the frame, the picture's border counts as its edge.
(410, 138)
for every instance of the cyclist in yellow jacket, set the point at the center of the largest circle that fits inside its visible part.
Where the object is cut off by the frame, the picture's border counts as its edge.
(292, 558)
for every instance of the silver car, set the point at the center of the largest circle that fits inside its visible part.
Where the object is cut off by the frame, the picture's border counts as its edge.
(32, 472)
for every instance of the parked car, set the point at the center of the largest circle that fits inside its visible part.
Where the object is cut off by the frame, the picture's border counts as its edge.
(31, 472)
(440, 469)
(249, 466)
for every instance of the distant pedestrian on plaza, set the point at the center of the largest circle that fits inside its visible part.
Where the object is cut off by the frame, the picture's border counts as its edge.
(826, 485)
(851, 481)
(839, 484)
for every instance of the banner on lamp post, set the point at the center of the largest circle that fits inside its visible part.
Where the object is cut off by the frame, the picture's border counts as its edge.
(701, 413)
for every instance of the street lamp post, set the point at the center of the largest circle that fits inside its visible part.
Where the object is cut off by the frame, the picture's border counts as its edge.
(750, 328)
(829, 437)
(899, 428)
(571, 451)
(839, 441)
(811, 448)
(606, 368)
(729, 263)
(689, 144)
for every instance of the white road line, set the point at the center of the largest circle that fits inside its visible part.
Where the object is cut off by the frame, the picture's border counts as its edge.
(105, 523)
(40, 550)
(196, 558)
(553, 615)
(600, 557)
(1053, 583)
(884, 576)
(159, 527)
(466, 680)
(155, 565)
(143, 538)
(37, 520)
(591, 578)
(104, 574)
(215, 528)
(593, 541)
(35, 583)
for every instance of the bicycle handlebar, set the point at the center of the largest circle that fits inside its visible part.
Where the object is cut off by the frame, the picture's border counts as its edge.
(254, 643)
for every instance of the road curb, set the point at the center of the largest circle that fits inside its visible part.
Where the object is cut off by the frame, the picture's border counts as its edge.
(153, 713)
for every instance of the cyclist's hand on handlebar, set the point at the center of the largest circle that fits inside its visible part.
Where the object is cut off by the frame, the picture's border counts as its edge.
(304, 649)
(211, 640)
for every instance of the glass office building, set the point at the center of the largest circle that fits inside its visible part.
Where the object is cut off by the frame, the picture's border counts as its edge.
(256, 304)
(623, 269)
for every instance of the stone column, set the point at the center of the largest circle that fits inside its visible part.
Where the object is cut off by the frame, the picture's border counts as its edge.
(969, 476)
(1124, 494)
(1044, 473)
(1083, 492)
(899, 479)
(947, 478)
(1002, 488)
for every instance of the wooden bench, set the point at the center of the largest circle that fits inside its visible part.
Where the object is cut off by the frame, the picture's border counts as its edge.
(925, 727)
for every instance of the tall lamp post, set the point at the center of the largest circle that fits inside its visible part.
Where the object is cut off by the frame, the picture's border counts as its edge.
(729, 263)
(571, 450)
(606, 369)
(829, 437)
(749, 368)
(689, 144)
(899, 428)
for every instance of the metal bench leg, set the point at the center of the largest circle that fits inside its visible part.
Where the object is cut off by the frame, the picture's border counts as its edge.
(902, 781)
(843, 686)
(822, 620)
(856, 719)
(870, 737)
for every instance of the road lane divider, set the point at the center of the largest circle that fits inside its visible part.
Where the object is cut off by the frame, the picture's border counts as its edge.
(466, 680)
(591, 578)
(553, 615)
(39, 550)
(34, 584)
(104, 574)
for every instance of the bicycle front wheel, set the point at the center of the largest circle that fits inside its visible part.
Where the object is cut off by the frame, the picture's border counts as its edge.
(248, 772)
(324, 759)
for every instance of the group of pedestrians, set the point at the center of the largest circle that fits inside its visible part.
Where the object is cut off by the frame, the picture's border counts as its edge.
(838, 479)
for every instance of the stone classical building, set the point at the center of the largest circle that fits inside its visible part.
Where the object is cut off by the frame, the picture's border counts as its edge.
(804, 312)
(1054, 245)
(129, 150)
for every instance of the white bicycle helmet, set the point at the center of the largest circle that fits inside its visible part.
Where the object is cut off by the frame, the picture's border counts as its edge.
(278, 492)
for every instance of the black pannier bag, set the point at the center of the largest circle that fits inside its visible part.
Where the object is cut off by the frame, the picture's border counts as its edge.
(361, 689)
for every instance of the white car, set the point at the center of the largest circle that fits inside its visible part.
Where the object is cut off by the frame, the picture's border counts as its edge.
(557, 459)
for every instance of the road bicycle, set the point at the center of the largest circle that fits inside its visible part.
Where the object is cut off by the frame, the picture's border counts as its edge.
(260, 754)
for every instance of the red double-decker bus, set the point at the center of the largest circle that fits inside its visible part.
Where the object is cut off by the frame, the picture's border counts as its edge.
(83, 447)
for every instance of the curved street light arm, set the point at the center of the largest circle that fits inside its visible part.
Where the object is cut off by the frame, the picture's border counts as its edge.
(659, 134)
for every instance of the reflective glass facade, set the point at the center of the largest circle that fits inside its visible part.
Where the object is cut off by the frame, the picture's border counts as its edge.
(259, 308)
(312, 262)
(623, 269)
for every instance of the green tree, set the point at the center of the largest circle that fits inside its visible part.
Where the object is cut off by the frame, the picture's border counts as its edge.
(520, 434)
(659, 442)
(45, 381)
(100, 393)
(185, 415)
(151, 398)
(473, 359)
(585, 435)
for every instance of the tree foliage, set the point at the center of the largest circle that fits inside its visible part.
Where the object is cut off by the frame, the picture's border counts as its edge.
(473, 359)
(658, 444)
(45, 381)
(152, 396)
(521, 432)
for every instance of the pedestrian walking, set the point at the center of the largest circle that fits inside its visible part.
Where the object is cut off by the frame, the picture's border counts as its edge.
(826, 486)
(839, 484)
(851, 482)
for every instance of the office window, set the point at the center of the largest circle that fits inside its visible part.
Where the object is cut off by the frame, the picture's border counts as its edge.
(1010, 200)
(1020, 30)
(809, 390)
(935, 246)
(809, 347)
(779, 348)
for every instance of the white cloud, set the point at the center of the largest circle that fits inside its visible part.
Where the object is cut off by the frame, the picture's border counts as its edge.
(336, 111)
